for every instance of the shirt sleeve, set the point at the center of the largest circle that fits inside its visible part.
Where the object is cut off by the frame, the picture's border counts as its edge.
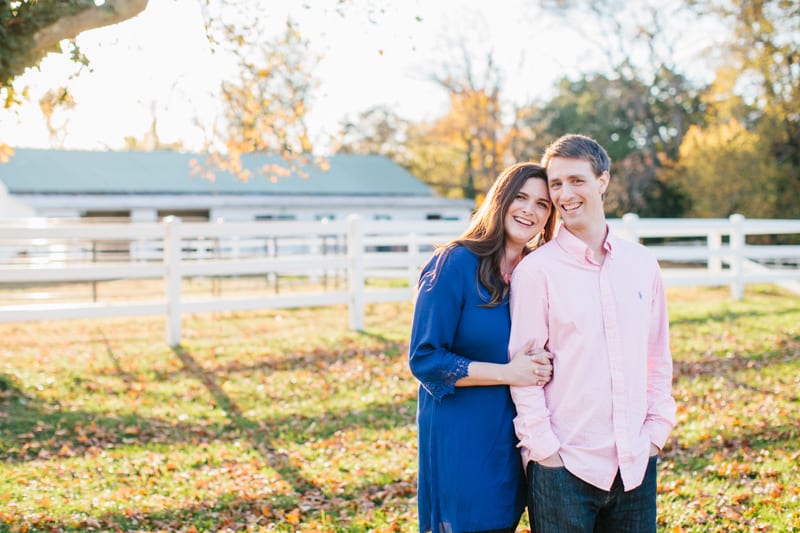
(529, 308)
(437, 312)
(660, 417)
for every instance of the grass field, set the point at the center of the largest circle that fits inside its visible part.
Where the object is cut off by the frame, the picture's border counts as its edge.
(287, 421)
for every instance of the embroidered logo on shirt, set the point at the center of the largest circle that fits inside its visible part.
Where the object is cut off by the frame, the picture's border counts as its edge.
(641, 295)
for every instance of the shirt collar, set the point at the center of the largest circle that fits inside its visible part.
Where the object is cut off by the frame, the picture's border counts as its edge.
(578, 249)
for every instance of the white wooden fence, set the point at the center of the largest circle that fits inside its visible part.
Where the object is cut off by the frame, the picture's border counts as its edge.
(696, 252)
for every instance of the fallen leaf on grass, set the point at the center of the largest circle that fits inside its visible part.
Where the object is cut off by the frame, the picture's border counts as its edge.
(293, 517)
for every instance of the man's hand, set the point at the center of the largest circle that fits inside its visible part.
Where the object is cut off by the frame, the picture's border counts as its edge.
(654, 450)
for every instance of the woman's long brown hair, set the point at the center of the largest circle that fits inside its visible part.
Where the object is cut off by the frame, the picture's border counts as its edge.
(486, 234)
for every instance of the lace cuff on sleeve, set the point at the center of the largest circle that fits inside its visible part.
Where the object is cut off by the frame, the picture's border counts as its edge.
(446, 384)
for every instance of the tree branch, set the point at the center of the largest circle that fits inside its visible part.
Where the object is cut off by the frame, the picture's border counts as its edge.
(111, 12)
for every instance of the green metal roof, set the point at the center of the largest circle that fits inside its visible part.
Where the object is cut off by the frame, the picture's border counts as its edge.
(35, 171)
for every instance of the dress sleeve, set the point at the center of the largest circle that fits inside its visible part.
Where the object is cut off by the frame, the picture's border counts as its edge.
(437, 312)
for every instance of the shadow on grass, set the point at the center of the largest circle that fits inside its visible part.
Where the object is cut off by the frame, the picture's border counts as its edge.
(127, 377)
(726, 366)
(730, 315)
(31, 429)
(314, 360)
(232, 512)
(258, 439)
(761, 390)
(299, 428)
(727, 446)
(383, 338)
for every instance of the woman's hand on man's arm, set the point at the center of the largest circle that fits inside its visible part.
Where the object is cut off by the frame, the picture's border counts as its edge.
(529, 366)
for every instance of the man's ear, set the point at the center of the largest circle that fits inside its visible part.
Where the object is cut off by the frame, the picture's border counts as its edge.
(604, 179)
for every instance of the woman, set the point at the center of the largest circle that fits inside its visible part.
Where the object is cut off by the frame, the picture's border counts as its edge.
(470, 472)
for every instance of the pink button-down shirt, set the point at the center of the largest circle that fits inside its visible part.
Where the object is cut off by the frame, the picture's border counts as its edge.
(608, 330)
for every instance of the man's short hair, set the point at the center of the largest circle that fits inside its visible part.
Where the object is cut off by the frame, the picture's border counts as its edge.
(576, 146)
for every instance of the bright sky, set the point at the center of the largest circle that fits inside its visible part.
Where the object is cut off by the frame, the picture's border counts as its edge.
(160, 64)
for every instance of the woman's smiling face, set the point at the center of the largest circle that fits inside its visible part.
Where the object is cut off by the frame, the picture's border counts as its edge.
(528, 212)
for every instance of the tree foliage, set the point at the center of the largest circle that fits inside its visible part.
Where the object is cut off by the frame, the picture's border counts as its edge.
(265, 102)
(54, 100)
(30, 29)
(753, 105)
(766, 48)
(638, 124)
(377, 130)
(671, 139)
(638, 106)
(460, 152)
(472, 129)
(724, 170)
(265, 106)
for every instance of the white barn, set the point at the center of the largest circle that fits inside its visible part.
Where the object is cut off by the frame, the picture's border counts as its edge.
(147, 186)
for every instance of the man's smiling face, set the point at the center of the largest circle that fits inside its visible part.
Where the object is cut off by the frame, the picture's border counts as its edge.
(576, 192)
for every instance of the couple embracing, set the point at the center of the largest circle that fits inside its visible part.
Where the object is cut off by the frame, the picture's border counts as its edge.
(542, 351)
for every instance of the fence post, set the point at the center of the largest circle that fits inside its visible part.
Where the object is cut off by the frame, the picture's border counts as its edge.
(737, 256)
(173, 278)
(630, 221)
(355, 271)
(714, 243)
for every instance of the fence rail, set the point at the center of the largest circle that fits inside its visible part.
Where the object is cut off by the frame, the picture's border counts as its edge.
(36, 252)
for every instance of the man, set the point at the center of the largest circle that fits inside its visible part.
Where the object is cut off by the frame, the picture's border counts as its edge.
(590, 438)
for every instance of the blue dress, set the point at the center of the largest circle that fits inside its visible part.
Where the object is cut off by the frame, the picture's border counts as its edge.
(470, 472)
